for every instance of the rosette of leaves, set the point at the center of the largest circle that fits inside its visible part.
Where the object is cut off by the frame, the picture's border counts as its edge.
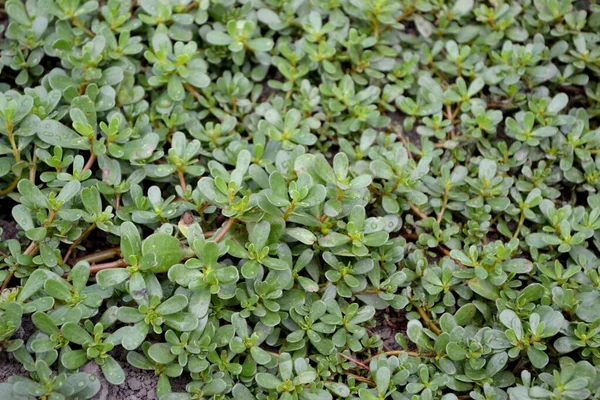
(95, 345)
(291, 130)
(307, 322)
(293, 380)
(357, 107)
(253, 197)
(361, 232)
(205, 275)
(44, 384)
(175, 65)
(240, 37)
(263, 241)
(153, 315)
(529, 337)
(293, 202)
(347, 278)
(164, 371)
(224, 189)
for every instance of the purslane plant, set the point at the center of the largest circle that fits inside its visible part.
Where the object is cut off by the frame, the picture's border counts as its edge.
(311, 200)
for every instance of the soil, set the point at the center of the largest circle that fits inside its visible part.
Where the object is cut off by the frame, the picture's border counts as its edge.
(388, 323)
(7, 223)
(9, 229)
(97, 240)
(9, 367)
(397, 124)
(139, 384)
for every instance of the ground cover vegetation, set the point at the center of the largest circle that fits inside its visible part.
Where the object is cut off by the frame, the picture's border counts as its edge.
(243, 193)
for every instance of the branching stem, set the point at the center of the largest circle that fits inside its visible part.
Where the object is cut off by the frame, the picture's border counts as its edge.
(430, 324)
(76, 242)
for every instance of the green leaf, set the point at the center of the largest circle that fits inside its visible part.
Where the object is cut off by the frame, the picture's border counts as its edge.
(538, 358)
(129, 315)
(111, 277)
(32, 194)
(588, 309)
(496, 364)
(462, 7)
(337, 388)
(58, 288)
(75, 333)
(134, 335)
(165, 248)
(74, 359)
(112, 371)
(267, 381)
(333, 239)
(382, 379)
(161, 353)
(181, 321)
(57, 134)
(517, 265)
(70, 190)
(241, 392)
(22, 216)
(275, 264)
(175, 88)
(324, 170)
(260, 234)
(172, 305)
(34, 283)
(48, 256)
(91, 200)
(261, 44)
(131, 243)
(302, 235)
(259, 355)
(484, 288)
(44, 323)
(218, 38)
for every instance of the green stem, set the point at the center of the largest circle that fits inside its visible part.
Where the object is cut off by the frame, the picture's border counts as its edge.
(444, 205)
(398, 352)
(33, 168)
(13, 144)
(10, 187)
(430, 324)
(80, 24)
(521, 220)
(289, 211)
(30, 251)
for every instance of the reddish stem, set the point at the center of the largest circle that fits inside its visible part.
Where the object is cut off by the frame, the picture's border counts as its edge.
(224, 230)
(182, 181)
(360, 364)
(113, 264)
(76, 242)
(100, 256)
(89, 163)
